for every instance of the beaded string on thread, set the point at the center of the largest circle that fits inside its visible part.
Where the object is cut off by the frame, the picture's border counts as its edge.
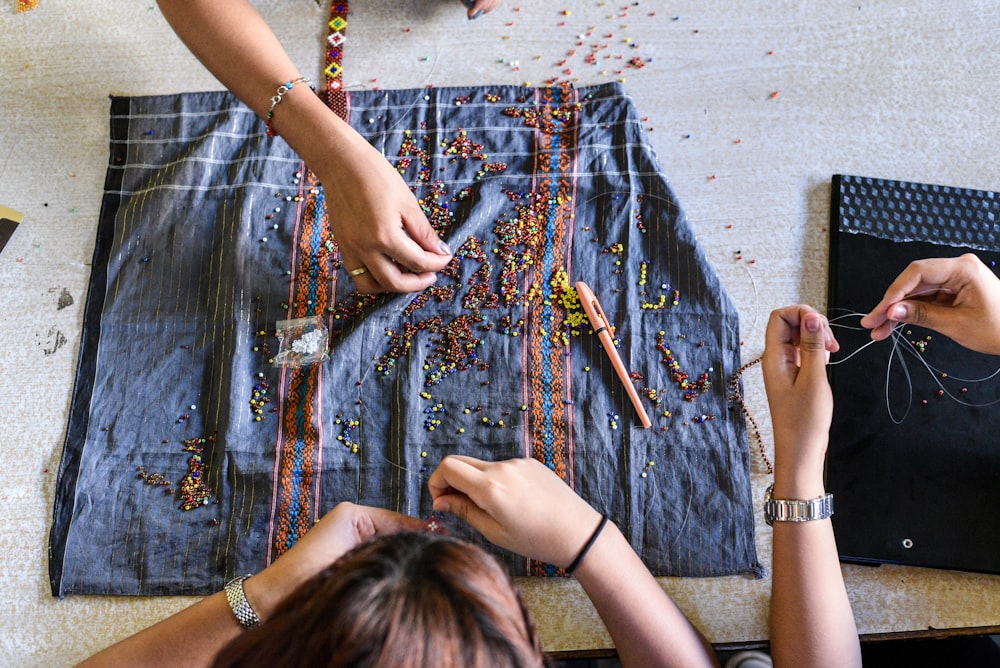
(754, 427)
(899, 343)
(283, 90)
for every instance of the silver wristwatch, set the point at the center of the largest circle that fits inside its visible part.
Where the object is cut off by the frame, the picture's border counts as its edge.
(785, 510)
(238, 602)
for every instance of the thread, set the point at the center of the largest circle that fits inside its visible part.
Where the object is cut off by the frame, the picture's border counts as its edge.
(900, 345)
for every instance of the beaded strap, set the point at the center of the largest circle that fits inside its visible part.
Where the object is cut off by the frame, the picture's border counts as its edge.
(754, 427)
(283, 90)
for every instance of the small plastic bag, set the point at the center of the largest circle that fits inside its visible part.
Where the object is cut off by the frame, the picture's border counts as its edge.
(302, 342)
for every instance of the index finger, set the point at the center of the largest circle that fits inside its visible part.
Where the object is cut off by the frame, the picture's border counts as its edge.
(783, 339)
(480, 7)
(455, 473)
(919, 277)
(782, 335)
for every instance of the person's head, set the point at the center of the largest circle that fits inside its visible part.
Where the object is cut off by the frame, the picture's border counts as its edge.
(400, 600)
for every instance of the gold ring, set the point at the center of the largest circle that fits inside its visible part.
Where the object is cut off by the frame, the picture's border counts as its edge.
(357, 272)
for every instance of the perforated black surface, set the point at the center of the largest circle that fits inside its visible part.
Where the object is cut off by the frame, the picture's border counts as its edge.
(906, 211)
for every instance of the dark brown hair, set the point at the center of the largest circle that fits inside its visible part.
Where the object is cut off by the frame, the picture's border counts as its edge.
(401, 600)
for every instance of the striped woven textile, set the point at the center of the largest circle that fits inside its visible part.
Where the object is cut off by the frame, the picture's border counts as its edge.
(190, 457)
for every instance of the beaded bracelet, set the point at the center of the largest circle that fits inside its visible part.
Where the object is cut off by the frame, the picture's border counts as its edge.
(282, 91)
(589, 544)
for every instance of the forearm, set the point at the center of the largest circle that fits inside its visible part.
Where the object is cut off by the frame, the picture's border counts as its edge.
(379, 226)
(236, 45)
(192, 637)
(811, 619)
(203, 629)
(648, 629)
(234, 42)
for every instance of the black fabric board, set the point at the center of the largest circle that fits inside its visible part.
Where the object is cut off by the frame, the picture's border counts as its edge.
(920, 492)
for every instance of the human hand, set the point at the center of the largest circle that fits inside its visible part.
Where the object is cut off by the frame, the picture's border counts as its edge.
(339, 531)
(518, 504)
(478, 7)
(958, 297)
(378, 223)
(798, 344)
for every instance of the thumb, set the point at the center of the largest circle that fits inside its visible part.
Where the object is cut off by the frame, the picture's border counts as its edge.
(812, 343)
(931, 316)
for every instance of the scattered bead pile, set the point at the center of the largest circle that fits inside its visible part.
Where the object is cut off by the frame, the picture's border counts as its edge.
(194, 492)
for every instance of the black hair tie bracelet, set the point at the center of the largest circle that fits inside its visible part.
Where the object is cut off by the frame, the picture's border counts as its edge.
(589, 544)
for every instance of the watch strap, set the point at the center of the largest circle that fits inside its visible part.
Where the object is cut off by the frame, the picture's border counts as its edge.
(237, 598)
(796, 510)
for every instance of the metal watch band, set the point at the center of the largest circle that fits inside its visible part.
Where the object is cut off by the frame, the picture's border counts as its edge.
(237, 598)
(794, 510)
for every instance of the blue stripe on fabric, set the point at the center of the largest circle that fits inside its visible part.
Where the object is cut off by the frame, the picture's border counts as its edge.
(298, 456)
(548, 404)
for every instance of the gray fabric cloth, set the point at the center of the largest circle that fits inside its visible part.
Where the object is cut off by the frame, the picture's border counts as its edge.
(185, 296)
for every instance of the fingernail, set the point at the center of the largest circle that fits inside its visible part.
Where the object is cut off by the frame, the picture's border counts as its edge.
(445, 248)
(476, 15)
(898, 312)
(812, 323)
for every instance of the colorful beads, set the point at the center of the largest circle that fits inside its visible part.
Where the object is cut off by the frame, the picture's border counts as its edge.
(154, 479)
(554, 119)
(643, 268)
(754, 427)
(346, 436)
(691, 389)
(259, 400)
(194, 492)
(431, 421)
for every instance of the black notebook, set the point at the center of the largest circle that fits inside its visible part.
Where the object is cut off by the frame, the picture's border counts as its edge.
(914, 456)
